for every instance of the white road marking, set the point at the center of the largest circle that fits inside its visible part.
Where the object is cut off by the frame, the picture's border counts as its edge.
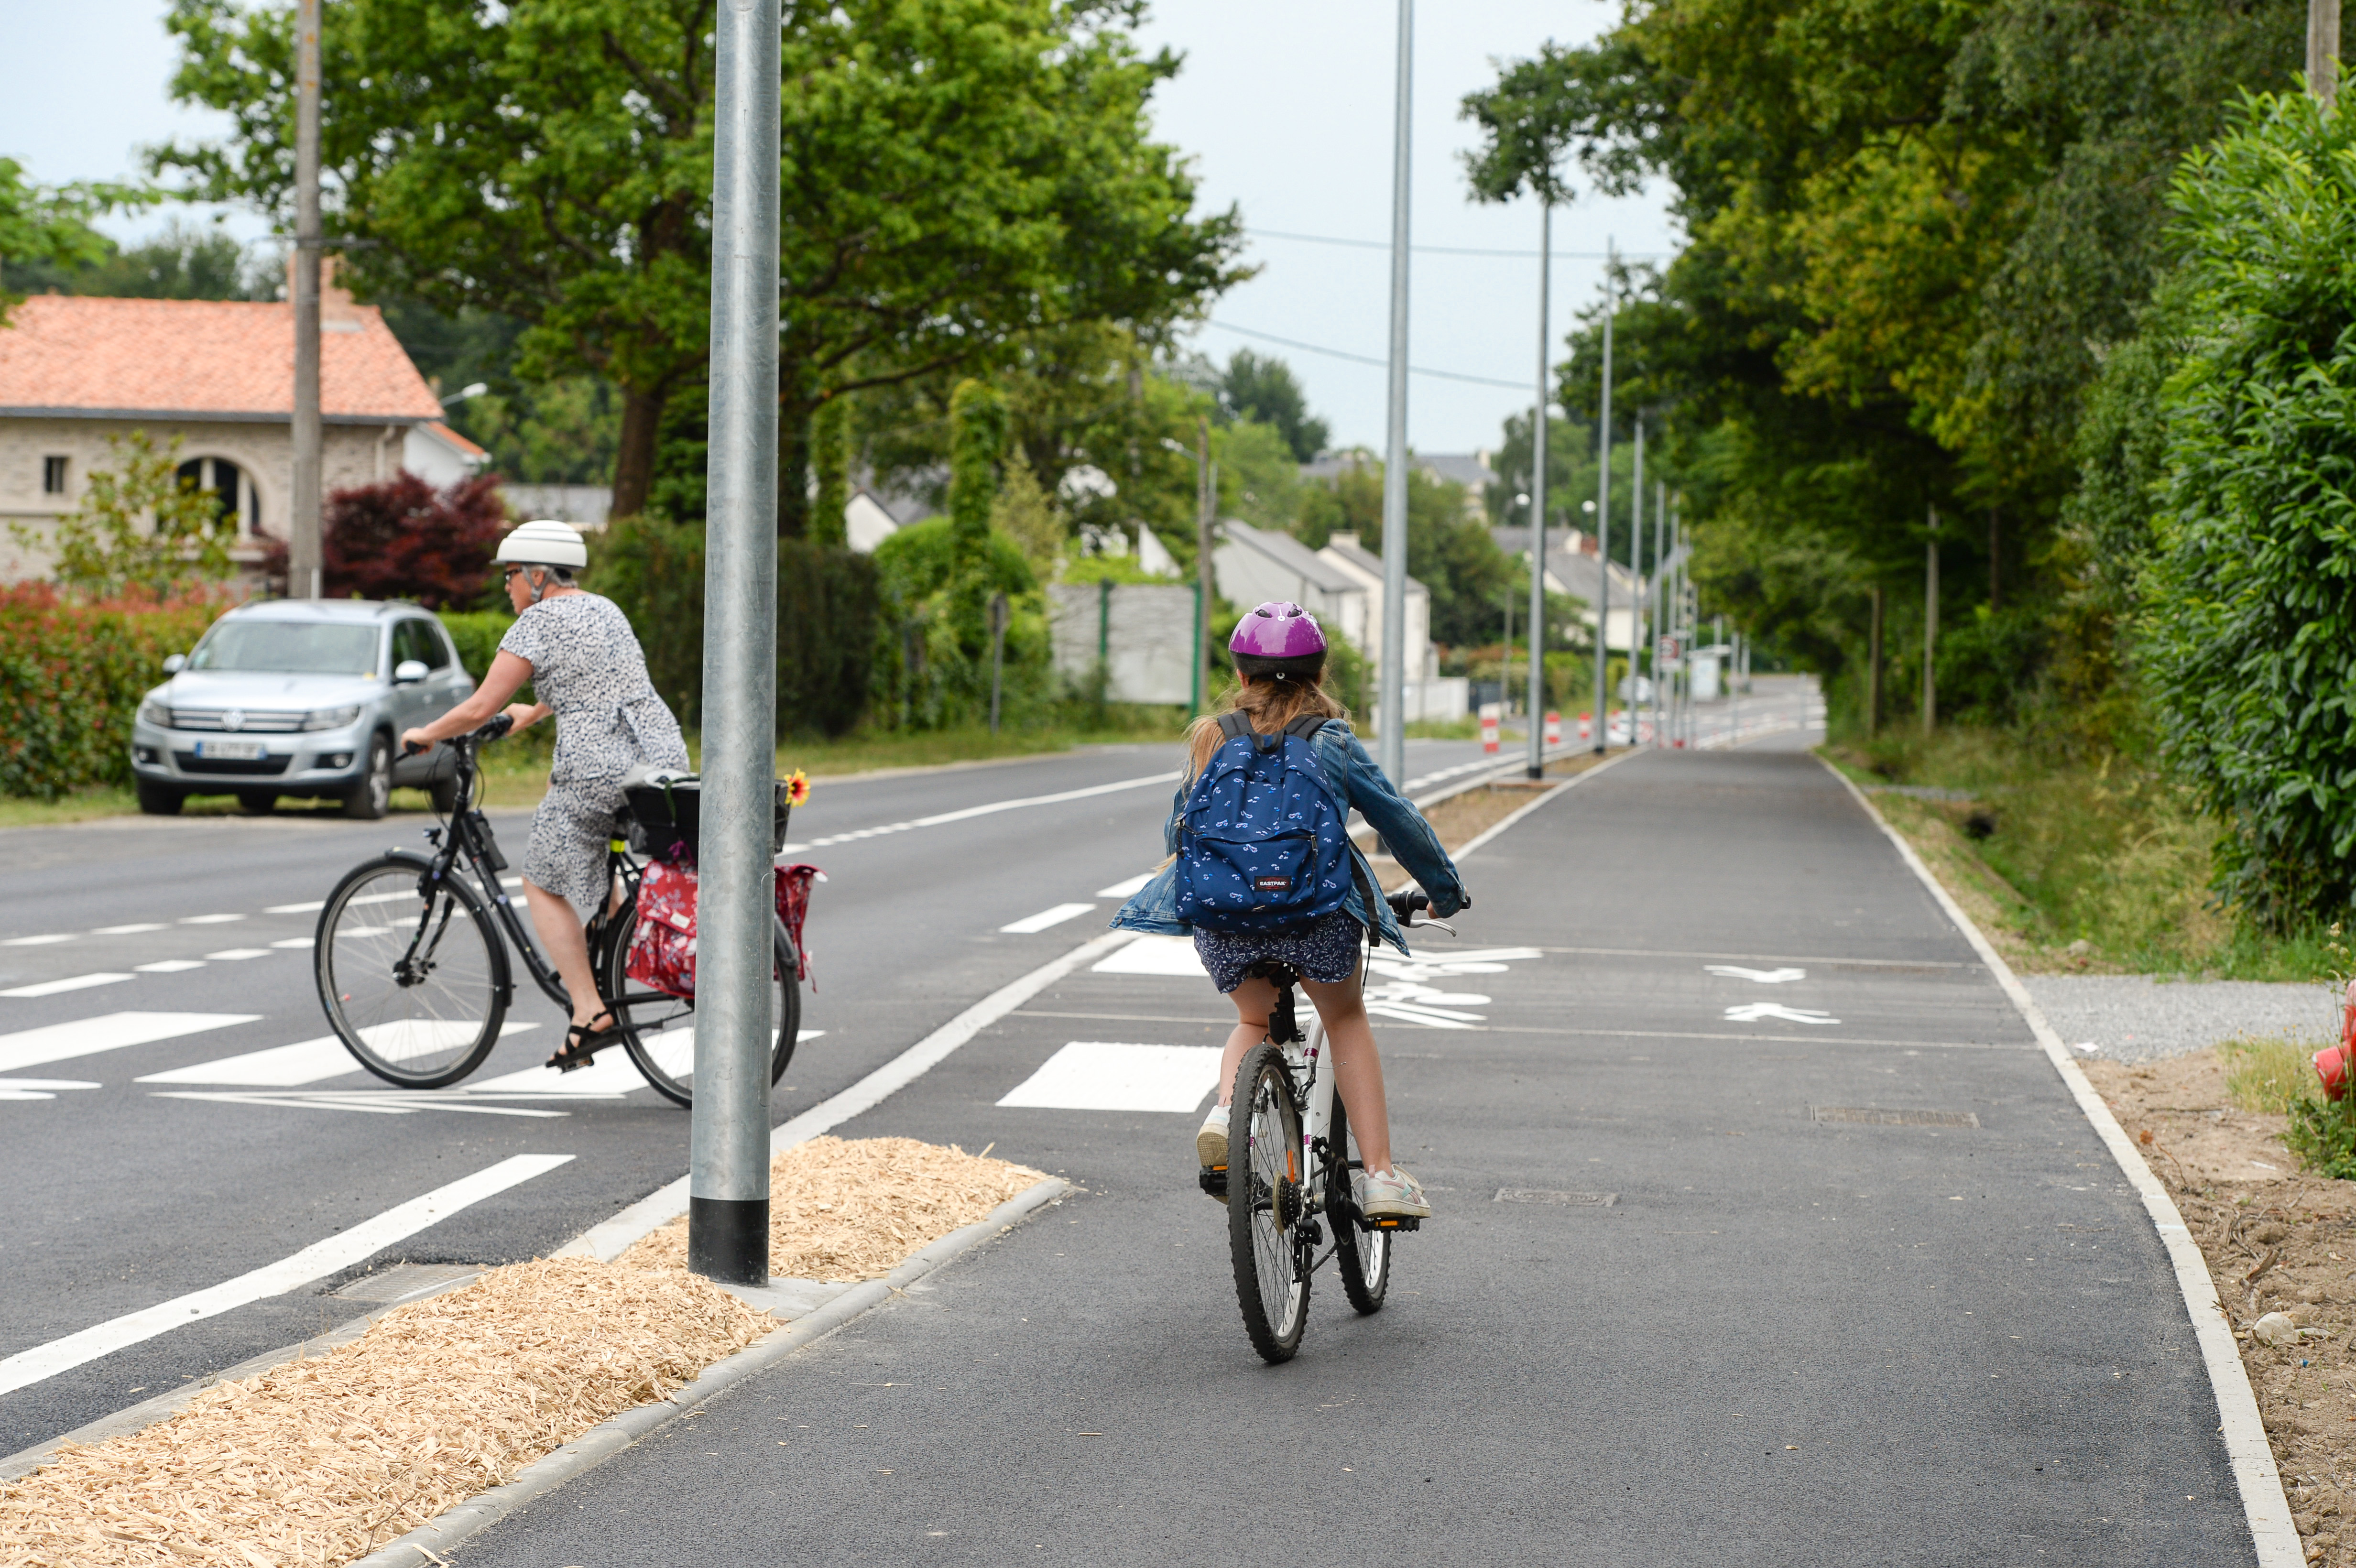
(1127, 890)
(37, 940)
(1751, 1012)
(209, 919)
(132, 930)
(1032, 925)
(169, 965)
(296, 942)
(109, 1031)
(309, 1061)
(1110, 1075)
(70, 983)
(1764, 977)
(967, 813)
(382, 1103)
(39, 1088)
(355, 1244)
(1168, 955)
(1430, 1018)
(235, 954)
(313, 907)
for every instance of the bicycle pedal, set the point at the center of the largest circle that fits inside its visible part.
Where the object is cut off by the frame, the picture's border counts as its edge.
(1395, 1223)
(1213, 1181)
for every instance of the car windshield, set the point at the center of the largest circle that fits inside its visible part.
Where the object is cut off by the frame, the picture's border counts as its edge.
(307, 647)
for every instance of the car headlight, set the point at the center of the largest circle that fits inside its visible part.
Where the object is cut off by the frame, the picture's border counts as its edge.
(330, 718)
(155, 713)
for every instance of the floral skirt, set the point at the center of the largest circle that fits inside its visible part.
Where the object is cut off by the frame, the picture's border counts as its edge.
(1325, 950)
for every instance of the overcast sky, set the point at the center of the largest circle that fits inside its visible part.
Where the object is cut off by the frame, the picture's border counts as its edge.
(1285, 105)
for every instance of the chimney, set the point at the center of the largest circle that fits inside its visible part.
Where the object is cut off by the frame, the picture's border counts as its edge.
(336, 304)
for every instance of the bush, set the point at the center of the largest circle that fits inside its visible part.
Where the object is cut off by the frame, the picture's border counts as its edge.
(826, 620)
(71, 676)
(928, 674)
(402, 539)
(2249, 623)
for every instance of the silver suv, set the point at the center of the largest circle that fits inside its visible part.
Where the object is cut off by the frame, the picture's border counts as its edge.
(300, 698)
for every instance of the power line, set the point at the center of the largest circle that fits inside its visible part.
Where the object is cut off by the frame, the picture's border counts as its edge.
(1453, 249)
(1366, 359)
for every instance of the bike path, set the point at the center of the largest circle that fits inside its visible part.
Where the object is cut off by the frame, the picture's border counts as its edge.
(1787, 1339)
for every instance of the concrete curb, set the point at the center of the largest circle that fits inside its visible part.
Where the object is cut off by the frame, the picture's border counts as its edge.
(602, 1442)
(2245, 1431)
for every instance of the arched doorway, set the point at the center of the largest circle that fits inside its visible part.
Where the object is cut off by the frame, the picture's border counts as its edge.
(231, 486)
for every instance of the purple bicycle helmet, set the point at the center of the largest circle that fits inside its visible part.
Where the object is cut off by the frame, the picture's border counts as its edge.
(1279, 639)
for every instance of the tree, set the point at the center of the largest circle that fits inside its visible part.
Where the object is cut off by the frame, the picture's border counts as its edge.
(1448, 552)
(401, 539)
(184, 263)
(44, 226)
(140, 528)
(953, 176)
(1263, 389)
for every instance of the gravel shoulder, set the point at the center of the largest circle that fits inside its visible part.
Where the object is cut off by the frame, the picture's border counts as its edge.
(2136, 1018)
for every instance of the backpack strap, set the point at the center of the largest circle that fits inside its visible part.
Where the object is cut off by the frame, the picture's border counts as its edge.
(1305, 727)
(1234, 726)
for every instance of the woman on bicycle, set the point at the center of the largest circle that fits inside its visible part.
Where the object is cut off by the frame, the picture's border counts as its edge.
(1279, 654)
(583, 662)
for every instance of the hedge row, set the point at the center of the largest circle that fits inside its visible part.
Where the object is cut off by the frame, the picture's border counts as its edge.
(72, 677)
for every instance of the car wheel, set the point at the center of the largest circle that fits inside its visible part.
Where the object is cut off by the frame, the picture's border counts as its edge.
(366, 800)
(256, 802)
(159, 800)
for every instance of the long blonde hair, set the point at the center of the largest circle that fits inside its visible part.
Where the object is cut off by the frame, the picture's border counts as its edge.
(1270, 701)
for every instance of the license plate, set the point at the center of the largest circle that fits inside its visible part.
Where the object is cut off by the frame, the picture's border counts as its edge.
(233, 751)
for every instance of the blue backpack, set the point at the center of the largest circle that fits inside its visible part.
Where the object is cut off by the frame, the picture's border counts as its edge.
(1262, 845)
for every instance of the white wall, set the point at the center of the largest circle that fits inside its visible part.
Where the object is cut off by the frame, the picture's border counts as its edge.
(1143, 630)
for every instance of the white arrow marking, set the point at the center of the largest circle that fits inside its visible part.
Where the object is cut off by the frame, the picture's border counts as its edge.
(1764, 977)
(1751, 1012)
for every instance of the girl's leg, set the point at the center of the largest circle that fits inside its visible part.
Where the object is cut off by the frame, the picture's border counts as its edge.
(1254, 999)
(1357, 1068)
(563, 938)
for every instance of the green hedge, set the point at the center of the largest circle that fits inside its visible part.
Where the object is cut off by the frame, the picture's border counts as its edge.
(826, 620)
(70, 678)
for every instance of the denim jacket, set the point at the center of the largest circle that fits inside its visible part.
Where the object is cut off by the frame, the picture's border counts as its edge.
(1354, 781)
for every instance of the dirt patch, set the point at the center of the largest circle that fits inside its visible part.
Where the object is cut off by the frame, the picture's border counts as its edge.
(2277, 1239)
(323, 1460)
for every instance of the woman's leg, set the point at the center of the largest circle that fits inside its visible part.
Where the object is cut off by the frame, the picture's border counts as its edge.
(1253, 1000)
(563, 938)
(1357, 1068)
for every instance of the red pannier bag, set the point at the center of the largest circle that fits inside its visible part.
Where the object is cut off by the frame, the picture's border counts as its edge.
(662, 946)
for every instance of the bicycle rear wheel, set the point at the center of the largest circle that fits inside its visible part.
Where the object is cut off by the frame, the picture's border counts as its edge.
(1363, 1256)
(658, 1032)
(1265, 1205)
(411, 972)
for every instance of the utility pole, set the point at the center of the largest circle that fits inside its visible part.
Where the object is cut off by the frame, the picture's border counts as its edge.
(1537, 765)
(305, 551)
(1603, 514)
(1660, 569)
(1207, 501)
(728, 1185)
(2323, 50)
(1392, 708)
(1930, 627)
(1635, 569)
(1873, 669)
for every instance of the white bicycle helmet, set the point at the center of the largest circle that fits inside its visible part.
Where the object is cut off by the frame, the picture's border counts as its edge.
(544, 541)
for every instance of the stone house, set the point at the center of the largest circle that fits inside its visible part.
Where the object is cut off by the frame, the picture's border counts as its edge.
(219, 376)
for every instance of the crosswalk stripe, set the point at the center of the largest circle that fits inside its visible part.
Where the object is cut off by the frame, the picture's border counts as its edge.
(70, 983)
(304, 1062)
(1032, 925)
(1113, 1075)
(109, 1031)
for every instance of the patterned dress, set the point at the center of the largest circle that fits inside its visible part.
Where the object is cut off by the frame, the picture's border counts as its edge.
(586, 665)
(1325, 950)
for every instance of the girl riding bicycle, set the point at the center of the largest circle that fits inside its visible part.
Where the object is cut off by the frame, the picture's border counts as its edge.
(1279, 656)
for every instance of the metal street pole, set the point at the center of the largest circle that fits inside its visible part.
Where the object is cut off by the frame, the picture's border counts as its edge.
(1207, 501)
(1660, 567)
(1391, 709)
(1604, 517)
(728, 1187)
(1930, 627)
(1537, 767)
(305, 551)
(1635, 564)
(2323, 50)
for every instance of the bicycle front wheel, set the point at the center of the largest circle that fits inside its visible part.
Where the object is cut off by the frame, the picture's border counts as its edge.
(411, 972)
(1267, 1205)
(658, 1031)
(1364, 1256)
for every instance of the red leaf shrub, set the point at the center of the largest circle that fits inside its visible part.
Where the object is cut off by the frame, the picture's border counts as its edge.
(401, 539)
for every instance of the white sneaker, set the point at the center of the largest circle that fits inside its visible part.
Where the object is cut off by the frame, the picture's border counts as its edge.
(1211, 1143)
(1391, 1194)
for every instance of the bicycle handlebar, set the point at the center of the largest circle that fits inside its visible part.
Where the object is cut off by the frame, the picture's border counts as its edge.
(500, 724)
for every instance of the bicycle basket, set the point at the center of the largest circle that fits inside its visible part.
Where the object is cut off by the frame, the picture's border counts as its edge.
(663, 810)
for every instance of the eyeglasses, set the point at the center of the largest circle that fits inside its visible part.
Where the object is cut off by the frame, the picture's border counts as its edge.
(509, 575)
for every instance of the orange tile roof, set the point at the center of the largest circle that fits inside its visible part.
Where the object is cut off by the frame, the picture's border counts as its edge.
(200, 357)
(457, 442)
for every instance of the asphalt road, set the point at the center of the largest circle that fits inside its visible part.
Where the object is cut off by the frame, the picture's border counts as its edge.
(1792, 1338)
(126, 1192)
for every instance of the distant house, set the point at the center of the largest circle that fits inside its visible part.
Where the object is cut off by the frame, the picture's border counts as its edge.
(218, 375)
(878, 510)
(1342, 585)
(1367, 568)
(1573, 568)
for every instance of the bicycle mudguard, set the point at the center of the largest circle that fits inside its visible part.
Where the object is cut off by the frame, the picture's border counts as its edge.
(793, 908)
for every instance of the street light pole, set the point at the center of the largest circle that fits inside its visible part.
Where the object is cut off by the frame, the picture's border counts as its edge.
(1603, 519)
(1537, 767)
(306, 550)
(1392, 704)
(728, 1188)
(1207, 501)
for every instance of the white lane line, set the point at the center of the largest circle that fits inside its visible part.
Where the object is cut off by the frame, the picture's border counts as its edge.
(1112, 1075)
(313, 907)
(315, 1262)
(1167, 956)
(608, 1240)
(1032, 925)
(967, 813)
(169, 965)
(377, 1102)
(133, 928)
(70, 983)
(37, 940)
(1127, 890)
(296, 942)
(111, 1031)
(235, 954)
(39, 1088)
(309, 1061)
(209, 919)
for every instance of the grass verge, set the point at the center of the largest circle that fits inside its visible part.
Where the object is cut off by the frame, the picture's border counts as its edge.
(323, 1460)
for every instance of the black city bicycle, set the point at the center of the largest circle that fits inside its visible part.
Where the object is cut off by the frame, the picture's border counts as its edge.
(415, 980)
(1294, 1174)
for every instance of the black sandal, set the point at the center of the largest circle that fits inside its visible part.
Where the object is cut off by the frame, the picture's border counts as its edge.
(583, 1042)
